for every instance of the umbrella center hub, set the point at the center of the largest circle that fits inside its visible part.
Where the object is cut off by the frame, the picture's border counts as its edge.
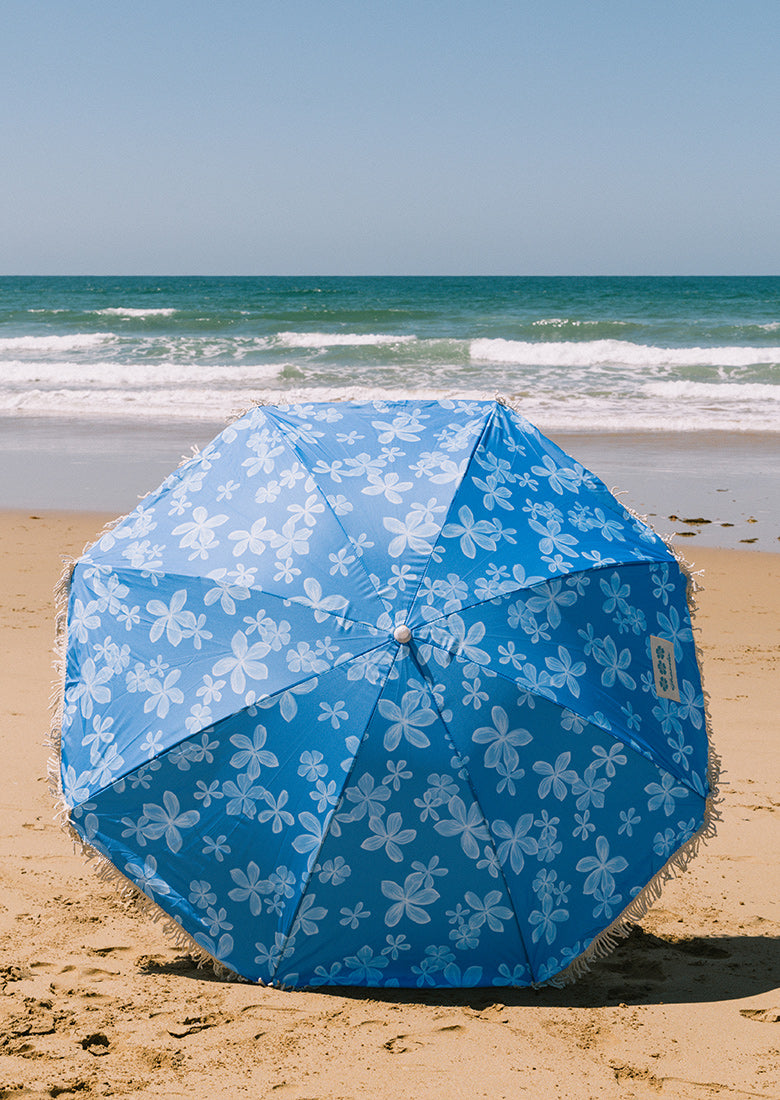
(402, 634)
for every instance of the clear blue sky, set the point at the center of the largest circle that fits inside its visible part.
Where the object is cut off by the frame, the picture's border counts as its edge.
(390, 136)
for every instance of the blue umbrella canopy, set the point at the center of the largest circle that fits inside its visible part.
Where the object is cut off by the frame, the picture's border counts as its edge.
(385, 694)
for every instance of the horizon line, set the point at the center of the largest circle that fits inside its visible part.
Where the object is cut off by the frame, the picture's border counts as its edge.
(382, 275)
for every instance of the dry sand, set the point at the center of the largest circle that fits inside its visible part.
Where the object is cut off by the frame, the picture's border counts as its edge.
(95, 1002)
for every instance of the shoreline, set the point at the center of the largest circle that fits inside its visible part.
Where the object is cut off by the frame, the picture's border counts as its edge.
(94, 999)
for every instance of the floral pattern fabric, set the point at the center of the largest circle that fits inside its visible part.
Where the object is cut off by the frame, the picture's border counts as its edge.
(317, 802)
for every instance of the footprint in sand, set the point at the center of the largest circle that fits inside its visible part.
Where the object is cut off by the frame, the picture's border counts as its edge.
(72, 970)
(96, 1043)
(401, 1044)
(190, 1025)
(36, 1020)
(74, 1088)
(79, 980)
(182, 964)
(763, 1015)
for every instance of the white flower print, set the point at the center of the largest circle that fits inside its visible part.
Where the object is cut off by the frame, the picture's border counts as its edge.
(601, 869)
(515, 843)
(663, 795)
(246, 661)
(91, 687)
(469, 825)
(414, 533)
(163, 693)
(199, 532)
(249, 887)
(501, 741)
(406, 721)
(146, 878)
(171, 618)
(388, 834)
(251, 754)
(409, 900)
(168, 820)
(555, 776)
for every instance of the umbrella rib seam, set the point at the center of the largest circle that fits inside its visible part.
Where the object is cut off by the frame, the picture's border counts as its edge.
(625, 741)
(622, 511)
(488, 421)
(120, 570)
(565, 706)
(191, 736)
(304, 462)
(478, 804)
(585, 569)
(326, 831)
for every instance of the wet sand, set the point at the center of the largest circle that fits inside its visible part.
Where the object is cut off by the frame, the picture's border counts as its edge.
(709, 488)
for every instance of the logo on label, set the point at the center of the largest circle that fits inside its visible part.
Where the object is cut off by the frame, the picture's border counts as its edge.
(664, 668)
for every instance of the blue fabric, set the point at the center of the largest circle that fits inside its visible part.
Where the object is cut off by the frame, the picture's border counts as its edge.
(317, 803)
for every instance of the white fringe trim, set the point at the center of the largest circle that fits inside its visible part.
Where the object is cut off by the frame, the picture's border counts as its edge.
(105, 870)
(606, 942)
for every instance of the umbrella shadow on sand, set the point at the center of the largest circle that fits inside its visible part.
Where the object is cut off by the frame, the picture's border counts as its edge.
(652, 969)
(644, 969)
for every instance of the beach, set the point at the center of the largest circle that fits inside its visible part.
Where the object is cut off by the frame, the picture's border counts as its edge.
(664, 388)
(390, 544)
(95, 1001)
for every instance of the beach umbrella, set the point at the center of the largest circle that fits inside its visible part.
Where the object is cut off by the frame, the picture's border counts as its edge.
(384, 694)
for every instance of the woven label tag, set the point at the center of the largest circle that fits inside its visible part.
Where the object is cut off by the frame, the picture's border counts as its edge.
(664, 668)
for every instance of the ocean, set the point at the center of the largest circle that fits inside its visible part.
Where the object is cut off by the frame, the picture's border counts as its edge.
(668, 388)
(584, 354)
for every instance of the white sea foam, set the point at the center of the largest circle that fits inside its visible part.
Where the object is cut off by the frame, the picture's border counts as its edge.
(598, 389)
(559, 322)
(197, 403)
(114, 375)
(162, 403)
(338, 339)
(212, 396)
(127, 311)
(594, 353)
(712, 393)
(77, 341)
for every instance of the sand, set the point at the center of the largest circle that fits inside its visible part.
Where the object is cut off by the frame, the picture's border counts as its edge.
(95, 1002)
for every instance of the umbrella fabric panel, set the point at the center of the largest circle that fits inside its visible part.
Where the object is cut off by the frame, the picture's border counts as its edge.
(406, 888)
(188, 654)
(564, 801)
(247, 514)
(222, 830)
(524, 511)
(389, 471)
(317, 796)
(585, 641)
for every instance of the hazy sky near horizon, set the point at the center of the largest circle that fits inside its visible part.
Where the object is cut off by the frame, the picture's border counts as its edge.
(389, 137)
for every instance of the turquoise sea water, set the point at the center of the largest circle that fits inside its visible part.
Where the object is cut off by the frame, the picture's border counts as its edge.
(576, 354)
(667, 388)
